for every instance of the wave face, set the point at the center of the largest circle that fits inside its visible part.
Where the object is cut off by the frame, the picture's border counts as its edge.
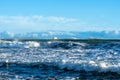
(59, 59)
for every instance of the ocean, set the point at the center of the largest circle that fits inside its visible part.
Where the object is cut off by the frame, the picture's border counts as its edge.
(64, 59)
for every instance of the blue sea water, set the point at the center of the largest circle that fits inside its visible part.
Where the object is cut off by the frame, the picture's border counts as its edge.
(59, 60)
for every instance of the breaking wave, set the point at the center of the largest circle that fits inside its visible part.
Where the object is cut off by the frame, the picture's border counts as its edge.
(64, 55)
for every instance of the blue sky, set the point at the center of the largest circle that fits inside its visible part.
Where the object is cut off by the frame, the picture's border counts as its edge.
(64, 15)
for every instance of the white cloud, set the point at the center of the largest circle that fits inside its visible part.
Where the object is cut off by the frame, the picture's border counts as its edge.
(60, 19)
(34, 19)
(16, 20)
(35, 22)
(40, 23)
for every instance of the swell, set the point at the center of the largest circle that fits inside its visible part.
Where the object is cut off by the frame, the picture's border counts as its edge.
(70, 55)
(29, 68)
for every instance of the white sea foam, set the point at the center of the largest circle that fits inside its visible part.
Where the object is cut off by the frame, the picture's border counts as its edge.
(77, 56)
(32, 44)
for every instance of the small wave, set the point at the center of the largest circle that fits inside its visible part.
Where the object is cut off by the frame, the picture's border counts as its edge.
(19, 44)
(49, 44)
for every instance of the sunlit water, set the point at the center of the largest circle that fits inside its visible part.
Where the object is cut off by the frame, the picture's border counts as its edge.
(60, 60)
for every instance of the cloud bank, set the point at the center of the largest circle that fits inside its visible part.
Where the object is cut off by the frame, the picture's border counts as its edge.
(62, 35)
(37, 23)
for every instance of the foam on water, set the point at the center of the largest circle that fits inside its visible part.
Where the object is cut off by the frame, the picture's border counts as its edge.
(75, 56)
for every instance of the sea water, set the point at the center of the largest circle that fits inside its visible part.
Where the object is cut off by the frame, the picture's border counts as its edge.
(59, 60)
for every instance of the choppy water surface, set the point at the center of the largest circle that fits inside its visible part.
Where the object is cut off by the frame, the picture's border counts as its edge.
(60, 60)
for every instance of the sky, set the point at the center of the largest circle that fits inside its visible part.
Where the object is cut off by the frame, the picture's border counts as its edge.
(59, 15)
